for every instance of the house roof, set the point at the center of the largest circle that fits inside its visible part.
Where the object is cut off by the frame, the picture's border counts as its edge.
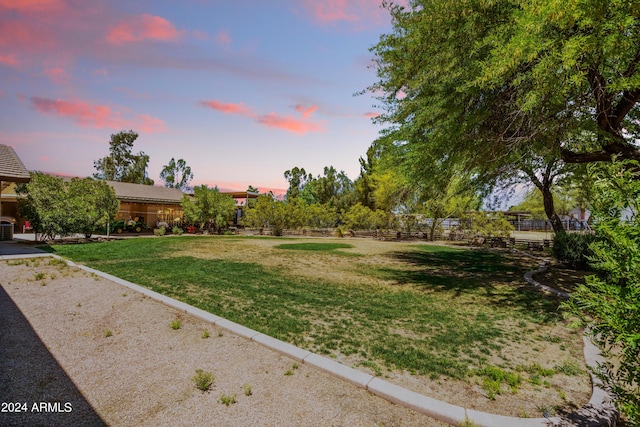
(11, 167)
(127, 192)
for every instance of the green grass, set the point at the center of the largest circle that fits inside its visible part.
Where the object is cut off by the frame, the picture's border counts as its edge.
(441, 311)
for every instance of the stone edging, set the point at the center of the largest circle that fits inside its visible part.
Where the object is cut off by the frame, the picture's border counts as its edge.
(598, 412)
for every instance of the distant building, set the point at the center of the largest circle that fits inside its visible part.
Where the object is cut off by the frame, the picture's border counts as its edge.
(11, 171)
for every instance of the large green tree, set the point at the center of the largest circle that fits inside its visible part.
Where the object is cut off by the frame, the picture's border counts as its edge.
(208, 207)
(121, 164)
(512, 91)
(298, 178)
(269, 212)
(176, 174)
(94, 204)
(55, 207)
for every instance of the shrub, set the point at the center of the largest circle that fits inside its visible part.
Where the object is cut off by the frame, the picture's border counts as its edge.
(572, 249)
(488, 224)
(177, 230)
(203, 380)
(159, 231)
(360, 217)
(609, 302)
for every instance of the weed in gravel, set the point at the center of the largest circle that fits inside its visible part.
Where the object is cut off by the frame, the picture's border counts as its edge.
(203, 380)
(39, 276)
(57, 262)
(288, 372)
(247, 390)
(227, 399)
(205, 334)
(108, 333)
(176, 324)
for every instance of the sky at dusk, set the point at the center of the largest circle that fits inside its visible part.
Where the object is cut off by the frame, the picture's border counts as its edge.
(242, 90)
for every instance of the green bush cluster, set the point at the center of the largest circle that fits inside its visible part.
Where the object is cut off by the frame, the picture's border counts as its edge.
(572, 249)
(609, 303)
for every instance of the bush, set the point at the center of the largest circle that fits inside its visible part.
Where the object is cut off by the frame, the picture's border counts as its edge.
(609, 302)
(177, 230)
(203, 380)
(160, 231)
(572, 249)
(360, 217)
(488, 225)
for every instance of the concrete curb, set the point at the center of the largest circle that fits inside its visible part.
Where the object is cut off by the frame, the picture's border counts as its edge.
(443, 411)
(542, 268)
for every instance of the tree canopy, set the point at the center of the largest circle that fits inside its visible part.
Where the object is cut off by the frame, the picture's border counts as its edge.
(176, 174)
(509, 91)
(208, 207)
(55, 207)
(121, 164)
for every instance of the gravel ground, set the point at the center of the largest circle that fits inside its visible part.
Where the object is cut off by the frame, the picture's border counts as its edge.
(76, 349)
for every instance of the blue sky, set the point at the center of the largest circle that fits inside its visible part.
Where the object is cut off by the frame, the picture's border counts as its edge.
(241, 90)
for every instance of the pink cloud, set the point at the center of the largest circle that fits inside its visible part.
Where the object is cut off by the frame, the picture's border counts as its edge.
(331, 10)
(30, 5)
(95, 116)
(306, 111)
(143, 27)
(57, 75)
(25, 37)
(223, 38)
(101, 72)
(151, 124)
(228, 108)
(371, 115)
(363, 13)
(9, 60)
(288, 123)
(271, 120)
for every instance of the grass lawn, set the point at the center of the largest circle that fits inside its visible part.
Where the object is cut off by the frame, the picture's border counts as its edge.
(437, 313)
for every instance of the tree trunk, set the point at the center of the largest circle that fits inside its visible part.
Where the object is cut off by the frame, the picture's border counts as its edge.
(544, 186)
(550, 210)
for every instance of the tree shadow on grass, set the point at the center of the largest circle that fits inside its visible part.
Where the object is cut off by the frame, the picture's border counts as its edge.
(30, 374)
(494, 276)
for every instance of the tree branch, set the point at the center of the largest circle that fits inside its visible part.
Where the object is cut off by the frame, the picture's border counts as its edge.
(598, 156)
(628, 101)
